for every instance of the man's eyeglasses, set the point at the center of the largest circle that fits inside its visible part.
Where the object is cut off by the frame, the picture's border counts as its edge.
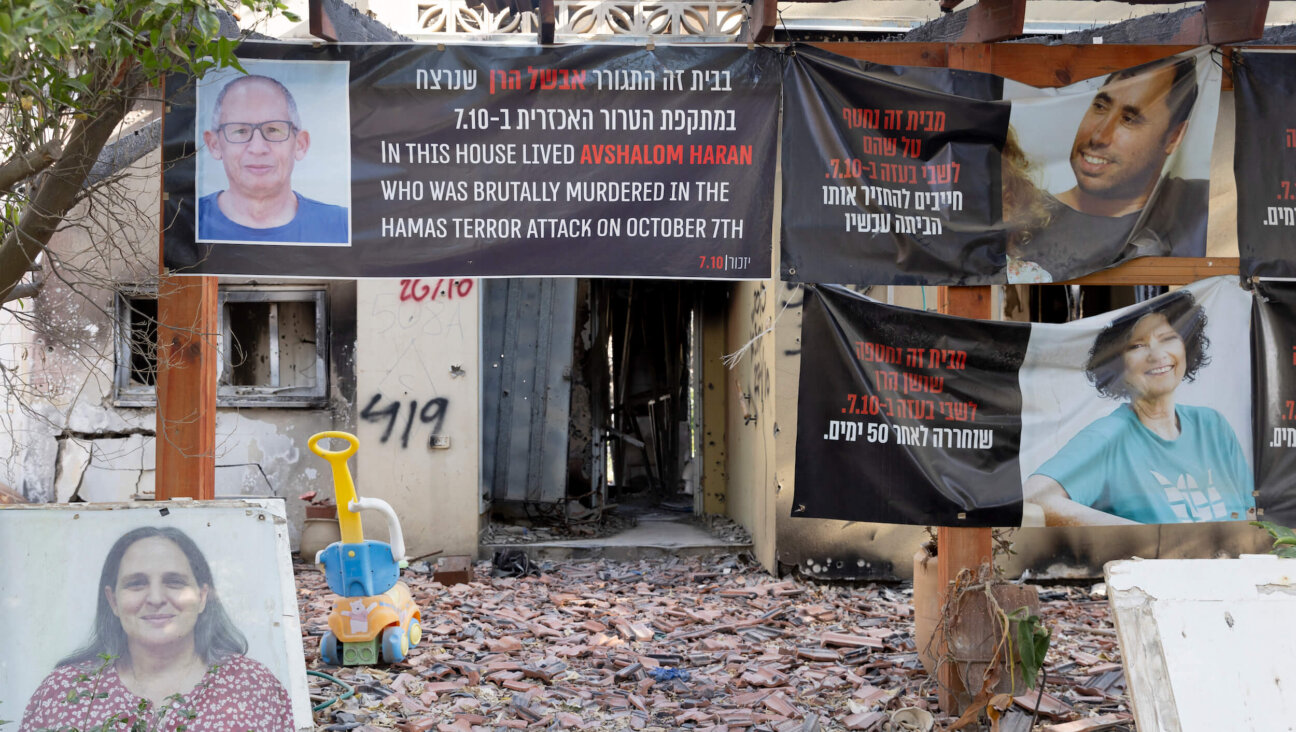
(276, 130)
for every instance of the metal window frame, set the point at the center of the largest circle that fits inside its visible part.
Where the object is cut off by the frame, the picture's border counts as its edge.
(273, 395)
(126, 394)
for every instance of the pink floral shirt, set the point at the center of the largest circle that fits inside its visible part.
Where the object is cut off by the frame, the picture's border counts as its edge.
(238, 695)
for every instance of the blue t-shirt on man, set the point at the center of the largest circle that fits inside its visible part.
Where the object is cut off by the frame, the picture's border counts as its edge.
(315, 223)
(1119, 466)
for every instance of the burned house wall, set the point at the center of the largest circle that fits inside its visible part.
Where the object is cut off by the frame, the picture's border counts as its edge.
(66, 437)
(418, 368)
(751, 424)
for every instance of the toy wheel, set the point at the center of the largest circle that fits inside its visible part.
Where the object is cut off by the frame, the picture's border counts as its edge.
(330, 649)
(395, 644)
(415, 632)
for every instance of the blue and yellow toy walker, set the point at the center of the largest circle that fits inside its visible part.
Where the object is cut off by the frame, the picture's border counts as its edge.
(375, 615)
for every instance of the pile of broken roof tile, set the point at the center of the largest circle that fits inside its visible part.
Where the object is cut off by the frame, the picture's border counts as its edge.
(684, 643)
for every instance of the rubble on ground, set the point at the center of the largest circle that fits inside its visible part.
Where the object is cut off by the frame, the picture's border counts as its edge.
(672, 643)
(554, 529)
(724, 528)
(607, 524)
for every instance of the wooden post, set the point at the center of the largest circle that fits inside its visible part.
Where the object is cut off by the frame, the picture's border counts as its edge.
(960, 548)
(184, 443)
(548, 21)
(186, 388)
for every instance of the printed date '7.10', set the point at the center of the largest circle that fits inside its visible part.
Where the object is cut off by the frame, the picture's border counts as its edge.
(724, 262)
(897, 408)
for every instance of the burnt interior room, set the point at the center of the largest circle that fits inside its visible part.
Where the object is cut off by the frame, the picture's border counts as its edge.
(620, 408)
(1064, 303)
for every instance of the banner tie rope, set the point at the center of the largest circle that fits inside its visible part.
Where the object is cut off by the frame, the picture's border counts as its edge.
(731, 360)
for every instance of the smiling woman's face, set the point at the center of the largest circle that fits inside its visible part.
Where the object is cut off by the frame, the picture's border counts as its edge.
(1155, 358)
(156, 598)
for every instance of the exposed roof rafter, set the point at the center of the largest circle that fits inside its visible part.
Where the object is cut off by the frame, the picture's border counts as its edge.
(1213, 21)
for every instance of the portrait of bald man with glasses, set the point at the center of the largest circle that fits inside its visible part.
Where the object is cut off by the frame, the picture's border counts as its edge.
(256, 133)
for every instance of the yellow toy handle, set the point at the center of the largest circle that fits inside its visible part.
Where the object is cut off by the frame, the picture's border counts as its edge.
(343, 486)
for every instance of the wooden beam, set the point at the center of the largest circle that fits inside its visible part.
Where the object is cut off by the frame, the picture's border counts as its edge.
(186, 388)
(988, 20)
(761, 19)
(320, 24)
(1161, 271)
(1043, 66)
(1029, 63)
(1234, 21)
(1052, 66)
(994, 20)
(893, 54)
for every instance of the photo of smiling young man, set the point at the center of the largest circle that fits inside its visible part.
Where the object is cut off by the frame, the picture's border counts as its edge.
(1124, 193)
(253, 185)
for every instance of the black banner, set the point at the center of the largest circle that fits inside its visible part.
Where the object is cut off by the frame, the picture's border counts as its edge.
(891, 174)
(899, 175)
(1264, 161)
(905, 417)
(1274, 385)
(414, 160)
(1140, 415)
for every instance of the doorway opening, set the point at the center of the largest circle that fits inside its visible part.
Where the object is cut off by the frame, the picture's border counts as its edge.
(592, 405)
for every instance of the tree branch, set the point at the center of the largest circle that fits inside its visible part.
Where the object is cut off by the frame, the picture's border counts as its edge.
(58, 190)
(21, 167)
(26, 289)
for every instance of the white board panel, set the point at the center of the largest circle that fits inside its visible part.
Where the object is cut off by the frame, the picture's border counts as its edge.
(1207, 643)
(51, 557)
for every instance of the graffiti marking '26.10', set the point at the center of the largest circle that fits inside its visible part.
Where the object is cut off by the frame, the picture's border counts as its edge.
(418, 290)
(432, 412)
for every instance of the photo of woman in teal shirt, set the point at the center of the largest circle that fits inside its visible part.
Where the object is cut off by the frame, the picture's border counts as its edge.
(1150, 460)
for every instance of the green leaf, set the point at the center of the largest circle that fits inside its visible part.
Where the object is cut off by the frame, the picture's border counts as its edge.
(1277, 531)
(1284, 538)
(1032, 644)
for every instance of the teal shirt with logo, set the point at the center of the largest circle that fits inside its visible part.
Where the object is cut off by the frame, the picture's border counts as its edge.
(1119, 466)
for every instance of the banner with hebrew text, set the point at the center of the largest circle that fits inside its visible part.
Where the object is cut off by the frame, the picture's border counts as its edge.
(1264, 161)
(906, 176)
(416, 160)
(1274, 345)
(1140, 415)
